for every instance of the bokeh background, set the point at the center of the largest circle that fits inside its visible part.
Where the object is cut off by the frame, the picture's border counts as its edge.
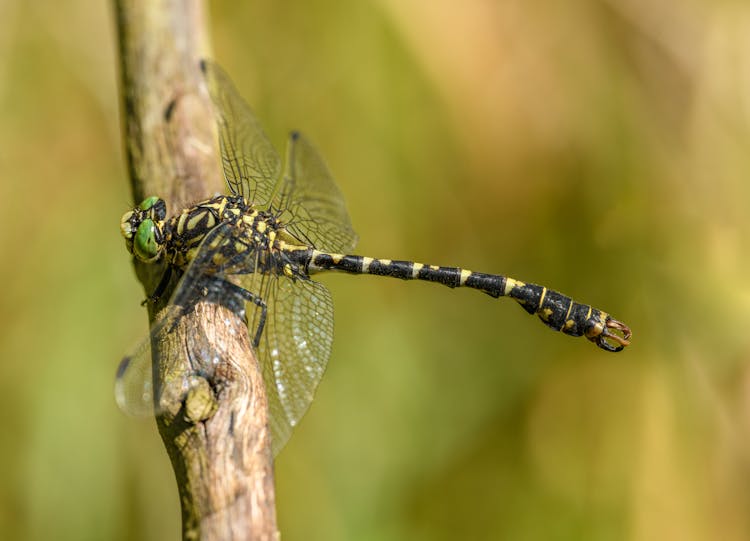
(600, 147)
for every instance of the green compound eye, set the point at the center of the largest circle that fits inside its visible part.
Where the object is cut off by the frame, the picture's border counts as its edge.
(149, 202)
(145, 246)
(153, 207)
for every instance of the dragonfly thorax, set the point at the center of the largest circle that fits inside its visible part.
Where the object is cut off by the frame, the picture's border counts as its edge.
(151, 238)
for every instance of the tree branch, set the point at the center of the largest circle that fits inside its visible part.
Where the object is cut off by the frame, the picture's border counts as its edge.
(216, 431)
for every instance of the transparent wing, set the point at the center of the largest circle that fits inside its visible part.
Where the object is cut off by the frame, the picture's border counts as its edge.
(136, 391)
(297, 331)
(294, 347)
(134, 383)
(252, 167)
(310, 194)
(251, 164)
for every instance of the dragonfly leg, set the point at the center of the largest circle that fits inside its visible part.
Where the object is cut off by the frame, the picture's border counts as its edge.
(262, 323)
(160, 288)
(258, 301)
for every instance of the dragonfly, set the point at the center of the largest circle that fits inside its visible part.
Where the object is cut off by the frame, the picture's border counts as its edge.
(258, 248)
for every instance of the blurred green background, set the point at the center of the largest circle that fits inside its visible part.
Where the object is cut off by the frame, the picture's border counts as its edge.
(597, 147)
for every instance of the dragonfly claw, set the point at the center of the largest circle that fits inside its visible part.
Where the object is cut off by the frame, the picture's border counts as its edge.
(606, 338)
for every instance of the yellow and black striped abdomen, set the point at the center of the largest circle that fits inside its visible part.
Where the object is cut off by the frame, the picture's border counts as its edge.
(557, 311)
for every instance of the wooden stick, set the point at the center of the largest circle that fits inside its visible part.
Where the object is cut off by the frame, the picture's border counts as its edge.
(215, 431)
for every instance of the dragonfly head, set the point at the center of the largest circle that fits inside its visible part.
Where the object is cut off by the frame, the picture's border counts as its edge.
(143, 229)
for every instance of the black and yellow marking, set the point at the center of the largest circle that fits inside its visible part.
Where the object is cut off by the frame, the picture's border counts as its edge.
(258, 232)
(184, 233)
(557, 311)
